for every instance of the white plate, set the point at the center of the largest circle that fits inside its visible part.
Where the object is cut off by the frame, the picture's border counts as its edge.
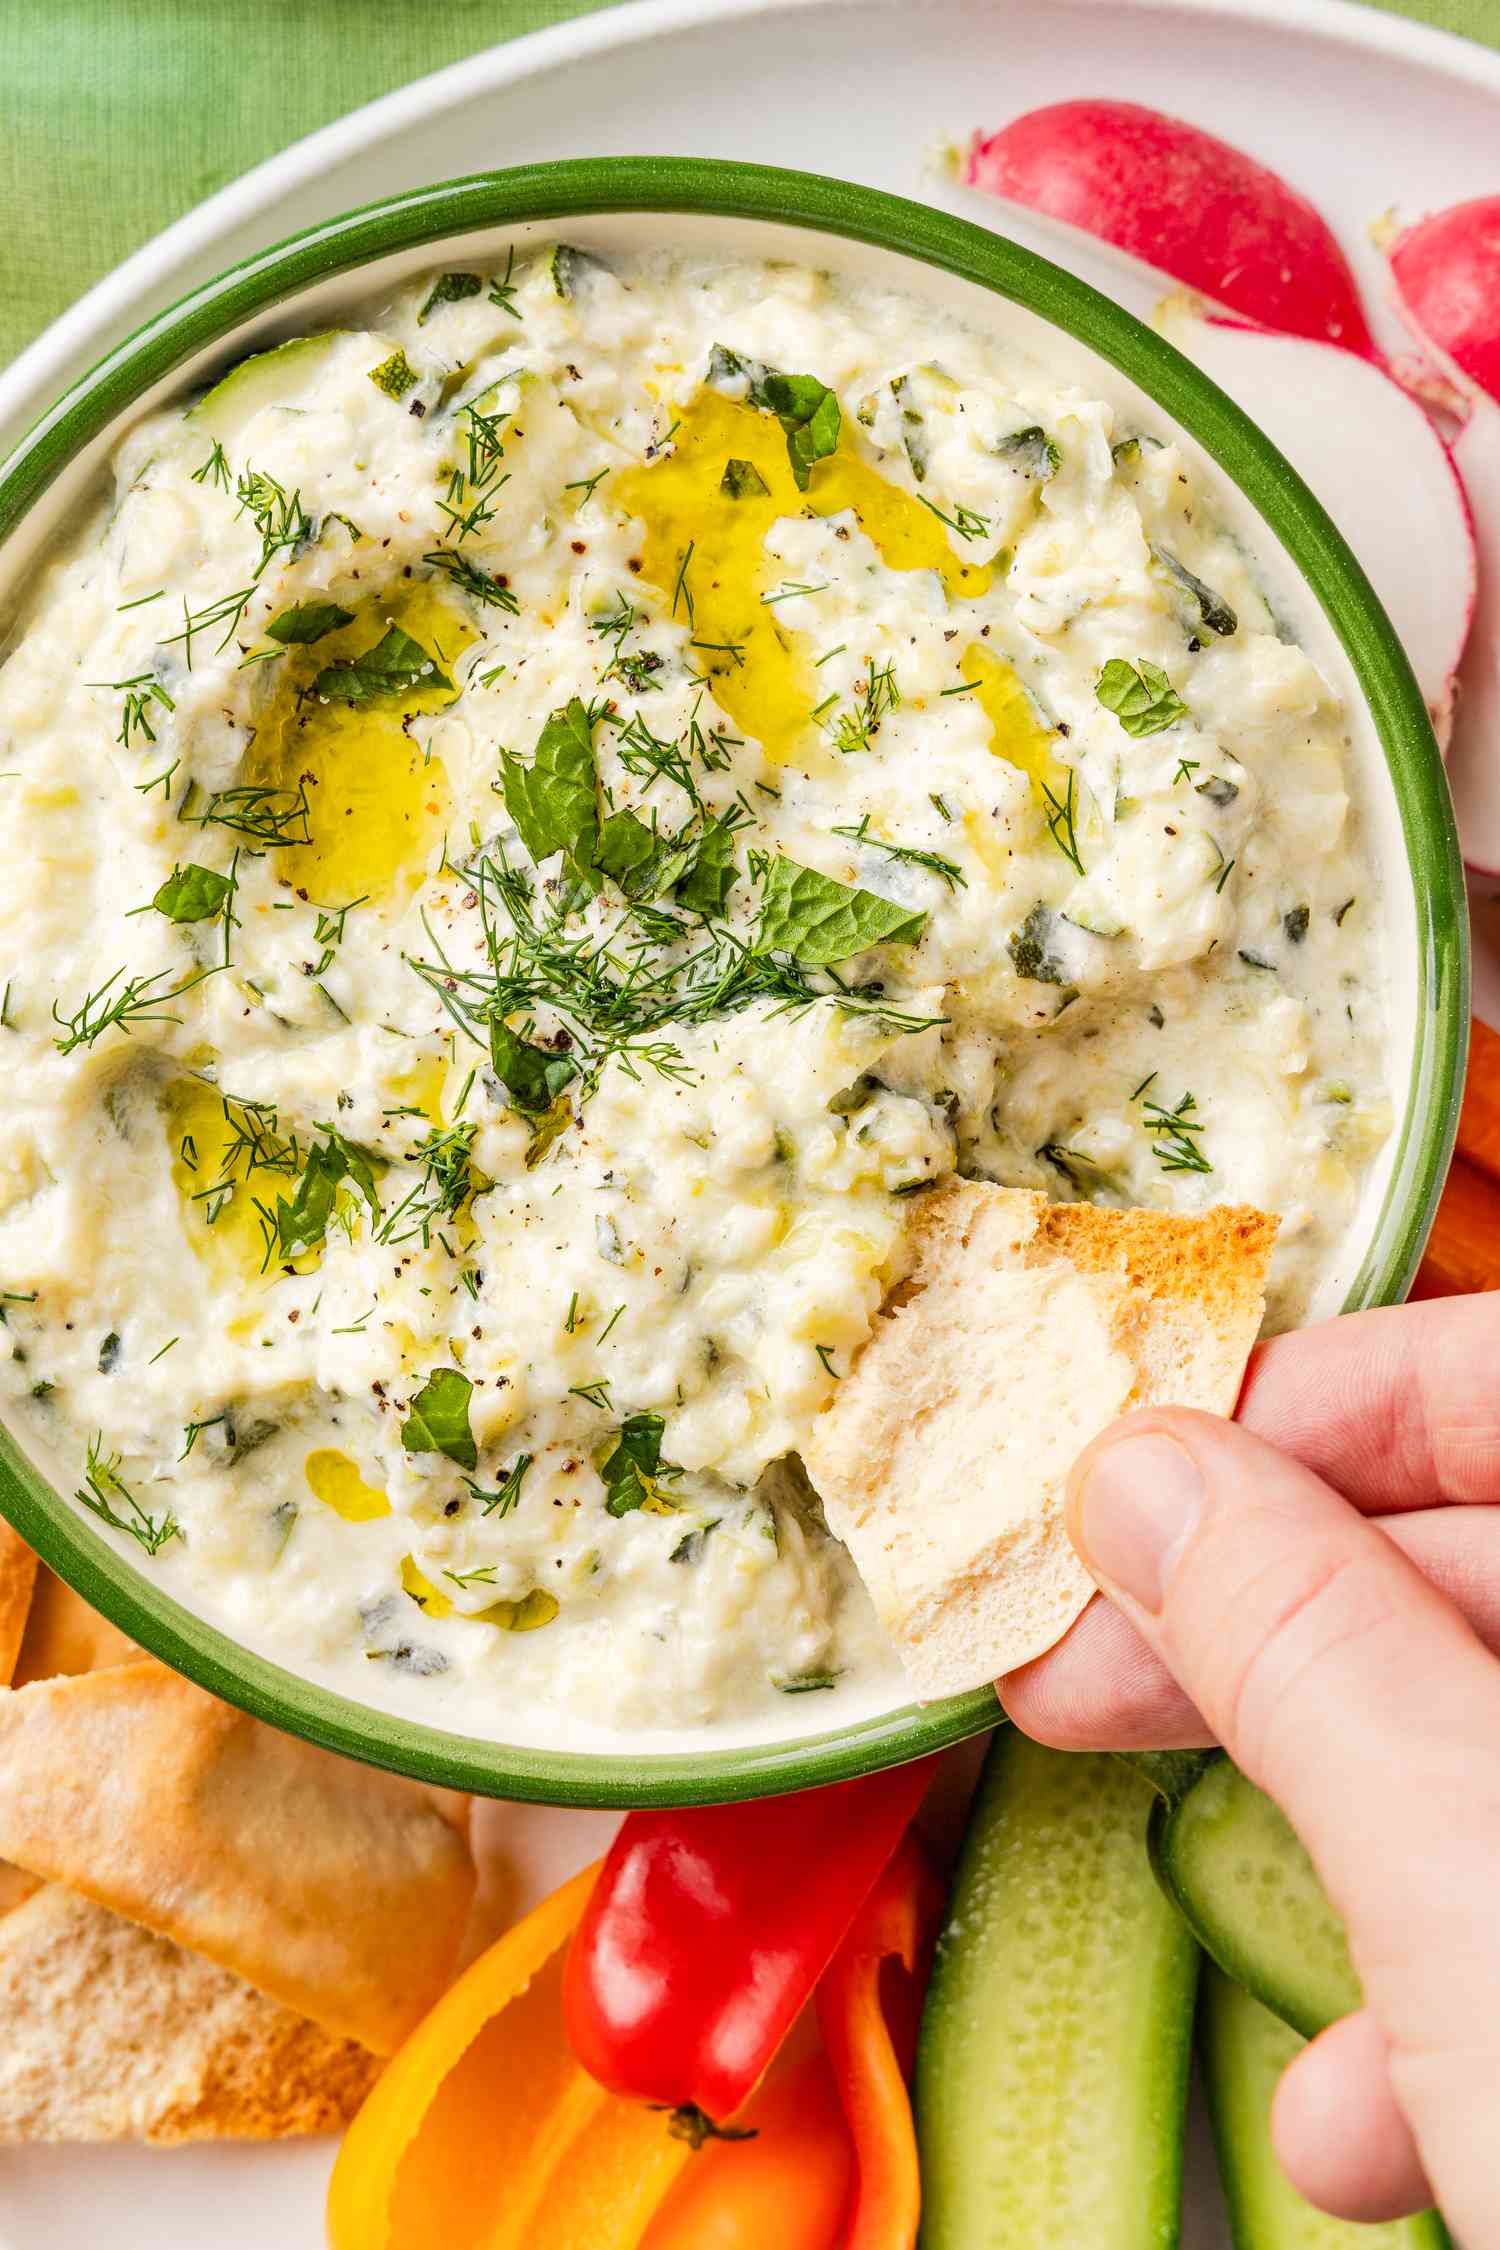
(870, 90)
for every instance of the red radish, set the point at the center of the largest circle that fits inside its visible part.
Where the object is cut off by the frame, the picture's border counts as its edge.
(1377, 464)
(1475, 767)
(1187, 203)
(1447, 271)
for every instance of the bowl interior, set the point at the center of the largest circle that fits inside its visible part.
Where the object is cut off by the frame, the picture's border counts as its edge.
(958, 269)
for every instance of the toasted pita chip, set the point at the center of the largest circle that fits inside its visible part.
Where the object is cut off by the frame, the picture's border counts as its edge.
(111, 2033)
(18, 1569)
(1023, 1329)
(64, 1637)
(336, 1889)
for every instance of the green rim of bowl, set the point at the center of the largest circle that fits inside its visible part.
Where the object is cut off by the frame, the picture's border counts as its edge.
(675, 185)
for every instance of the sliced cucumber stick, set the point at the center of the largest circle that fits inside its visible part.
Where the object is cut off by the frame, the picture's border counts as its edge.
(1052, 2071)
(1233, 1864)
(1244, 2050)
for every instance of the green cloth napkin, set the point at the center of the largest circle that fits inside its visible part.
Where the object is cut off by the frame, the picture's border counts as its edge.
(122, 114)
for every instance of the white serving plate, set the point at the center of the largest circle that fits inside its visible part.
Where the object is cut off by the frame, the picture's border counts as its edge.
(870, 90)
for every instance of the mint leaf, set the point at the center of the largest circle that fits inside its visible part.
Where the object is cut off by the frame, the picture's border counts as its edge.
(395, 667)
(742, 481)
(1140, 695)
(1215, 612)
(308, 621)
(634, 1470)
(806, 408)
(193, 894)
(629, 853)
(395, 376)
(819, 921)
(532, 1076)
(450, 289)
(713, 874)
(640, 859)
(439, 1418)
(302, 1223)
(552, 800)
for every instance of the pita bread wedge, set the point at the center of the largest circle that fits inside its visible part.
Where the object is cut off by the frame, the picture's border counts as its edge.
(337, 1890)
(18, 1569)
(1022, 1330)
(64, 1636)
(113, 2034)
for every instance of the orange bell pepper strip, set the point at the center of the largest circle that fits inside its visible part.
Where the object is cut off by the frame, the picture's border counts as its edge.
(484, 2133)
(869, 2008)
(790, 2186)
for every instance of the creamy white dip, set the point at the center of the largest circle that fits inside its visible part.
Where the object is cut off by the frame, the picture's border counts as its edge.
(532, 829)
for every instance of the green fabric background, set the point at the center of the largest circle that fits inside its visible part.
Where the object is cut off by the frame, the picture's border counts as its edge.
(118, 115)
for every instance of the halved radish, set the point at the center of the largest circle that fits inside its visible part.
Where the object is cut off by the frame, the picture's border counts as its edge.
(1377, 464)
(1197, 209)
(1474, 769)
(1447, 273)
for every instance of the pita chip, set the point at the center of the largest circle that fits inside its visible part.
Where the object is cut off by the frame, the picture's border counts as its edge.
(1022, 1330)
(334, 1889)
(18, 1569)
(111, 2033)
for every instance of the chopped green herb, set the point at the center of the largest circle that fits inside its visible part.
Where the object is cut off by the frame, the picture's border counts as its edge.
(397, 666)
(503, 291)
(1176, 1132)
(946, 869)
(506, 1495)
(552, 801)
(532, 1076)
(964, 521)
(306, 622)
(194, 894)
(807, 409)
(104, 1491)
(298, 1225)
(138, 1000)
(438, 1420)
(804, 1683)
(1295, 923)
(634, 1471)
(449, 289)
(819, 921)
(1141, 696)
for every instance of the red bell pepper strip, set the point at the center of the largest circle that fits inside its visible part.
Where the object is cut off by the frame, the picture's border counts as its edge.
(869, 2011)
(709, 1928)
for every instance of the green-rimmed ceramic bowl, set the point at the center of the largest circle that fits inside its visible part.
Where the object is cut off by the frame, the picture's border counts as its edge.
(750, 210)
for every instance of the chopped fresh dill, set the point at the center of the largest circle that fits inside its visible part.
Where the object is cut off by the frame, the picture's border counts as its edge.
(964, 521)
(502, 1501)
(1062, 820)
(950, 873)
(138, 1000)
(103, 1492)
(1176, 1132)
(503, 290)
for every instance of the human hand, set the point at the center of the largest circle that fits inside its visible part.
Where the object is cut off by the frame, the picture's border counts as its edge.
(1345, 1664)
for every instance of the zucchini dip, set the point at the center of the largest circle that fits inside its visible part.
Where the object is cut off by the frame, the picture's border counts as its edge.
(534, 828)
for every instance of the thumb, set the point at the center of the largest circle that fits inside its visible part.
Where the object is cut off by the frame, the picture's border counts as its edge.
(1357, 1698)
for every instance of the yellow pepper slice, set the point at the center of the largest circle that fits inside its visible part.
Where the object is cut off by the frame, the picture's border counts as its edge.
(483, 2133)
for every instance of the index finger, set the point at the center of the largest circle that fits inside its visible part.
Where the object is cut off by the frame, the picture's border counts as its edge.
(1395, 1409)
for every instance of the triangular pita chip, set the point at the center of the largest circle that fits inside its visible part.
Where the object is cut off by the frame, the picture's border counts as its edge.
(18, 1569)
(1021, 1331)
(110, 2033)
(333, 1888)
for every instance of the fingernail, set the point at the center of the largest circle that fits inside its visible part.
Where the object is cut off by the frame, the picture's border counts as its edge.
(1135, 1511)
